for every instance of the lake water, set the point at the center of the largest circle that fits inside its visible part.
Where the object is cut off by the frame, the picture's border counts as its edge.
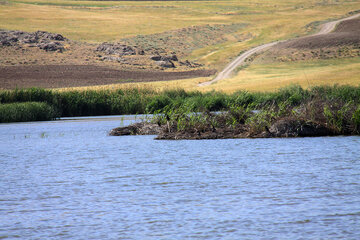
(70, 180)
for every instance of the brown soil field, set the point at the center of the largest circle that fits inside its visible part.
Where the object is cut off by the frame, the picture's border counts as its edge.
(58, 76)
(49, 60)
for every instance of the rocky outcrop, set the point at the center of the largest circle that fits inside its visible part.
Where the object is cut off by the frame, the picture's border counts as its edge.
(119, 49)
(41, 39)
(165, 61)
(115, 51)
(51, 46)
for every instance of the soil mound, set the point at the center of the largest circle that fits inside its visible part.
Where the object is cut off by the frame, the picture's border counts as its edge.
(349, 26)
(346, 33)
(57, 76)
(344, 42)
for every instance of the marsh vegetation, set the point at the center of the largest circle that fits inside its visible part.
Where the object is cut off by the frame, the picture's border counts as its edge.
(335, 102)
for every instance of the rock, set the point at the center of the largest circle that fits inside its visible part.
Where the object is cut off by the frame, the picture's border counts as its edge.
(142, 128)
(164, 58)
(7, 38)
(174, 58)
(57, 37)
(8, 42)
(30, 39)
(155, 58)
(43, 40)
(117, 49)
(169, 58)
(190, 64)
(111, 59)
(166, 64)
(140, 52)
(298, 128)
(51, 46)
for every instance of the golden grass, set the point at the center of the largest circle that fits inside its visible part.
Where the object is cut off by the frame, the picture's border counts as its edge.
(269, 77)
(188, 84)
(264, 77)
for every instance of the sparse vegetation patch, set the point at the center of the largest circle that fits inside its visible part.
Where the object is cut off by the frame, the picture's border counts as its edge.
(185, 40)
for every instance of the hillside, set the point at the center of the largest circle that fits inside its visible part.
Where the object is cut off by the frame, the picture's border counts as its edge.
(203, 35)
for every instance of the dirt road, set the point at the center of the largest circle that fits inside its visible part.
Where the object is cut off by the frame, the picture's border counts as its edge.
(325, 29)
(330, 26)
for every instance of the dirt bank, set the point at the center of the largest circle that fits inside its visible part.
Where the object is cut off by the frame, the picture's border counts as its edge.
(287, 127)
(57, 76)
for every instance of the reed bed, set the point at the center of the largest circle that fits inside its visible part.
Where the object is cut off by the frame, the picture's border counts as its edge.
(27, 111)
(141, 101)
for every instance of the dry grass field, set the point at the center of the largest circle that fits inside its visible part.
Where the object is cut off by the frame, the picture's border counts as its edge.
(254, 22)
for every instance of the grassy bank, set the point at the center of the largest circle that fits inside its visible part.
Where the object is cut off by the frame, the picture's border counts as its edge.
(140, 101)
(292, 112)
(315, 116)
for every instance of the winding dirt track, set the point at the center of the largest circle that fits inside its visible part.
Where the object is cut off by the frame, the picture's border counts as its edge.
(325, 29)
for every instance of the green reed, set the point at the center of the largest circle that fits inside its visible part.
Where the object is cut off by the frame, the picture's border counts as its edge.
(141, 101)
(28, 111)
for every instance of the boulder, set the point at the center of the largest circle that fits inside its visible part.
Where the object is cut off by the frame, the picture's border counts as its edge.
(142, 128)
(155, 58)
(166, 64)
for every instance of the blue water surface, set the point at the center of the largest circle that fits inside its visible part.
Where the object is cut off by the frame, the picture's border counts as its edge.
(68, 179)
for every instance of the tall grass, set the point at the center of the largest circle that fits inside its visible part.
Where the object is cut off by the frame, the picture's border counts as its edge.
(139, 101)
(28, 111)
